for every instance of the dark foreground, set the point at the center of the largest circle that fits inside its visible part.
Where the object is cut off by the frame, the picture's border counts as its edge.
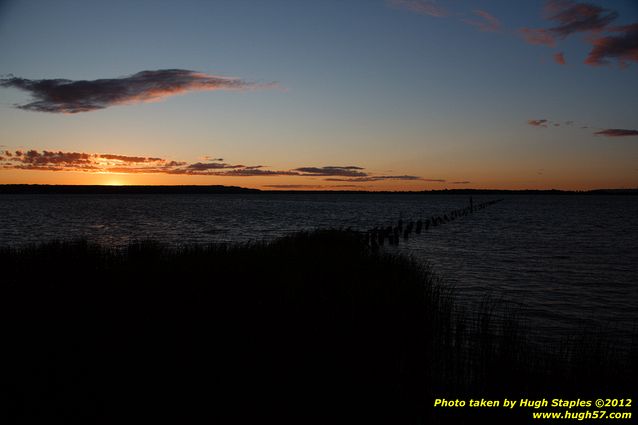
(315, 328)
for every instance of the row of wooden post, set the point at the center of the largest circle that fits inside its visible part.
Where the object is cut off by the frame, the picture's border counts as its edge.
(392, 234)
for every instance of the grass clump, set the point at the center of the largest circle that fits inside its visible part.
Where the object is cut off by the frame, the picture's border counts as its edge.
(315, 327)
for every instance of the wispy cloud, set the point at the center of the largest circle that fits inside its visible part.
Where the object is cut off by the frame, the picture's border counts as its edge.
(564, 18)
(559, 58)
(380, 178)
(68, 96)
(573, 17)
(538, 123)
(115, 163)
(538, 36)
(204, 166)
(313, 186)
(253, 172)
(105, 163)
(607, 132)
(462, 182)
(210, 158)
(616, 132)
(294, 186)
(423, 7)
(487, 23)
(349, 171)
(125, 158)
(546, 123)
(623, 47)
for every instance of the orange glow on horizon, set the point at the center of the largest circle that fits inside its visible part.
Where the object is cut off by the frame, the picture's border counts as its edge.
(115, 182)
(298, 182)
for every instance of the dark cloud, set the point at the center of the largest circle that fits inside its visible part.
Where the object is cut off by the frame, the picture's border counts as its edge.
(350, 171)
(200, 166)
(616, 132)
(68, 96)
(559, 58)
(487, 23)
(250, 172)
(538, 123)
(573, 17)
(623, 47)
(129, 158)
(423, 7)
(35, 158)
(462, 182)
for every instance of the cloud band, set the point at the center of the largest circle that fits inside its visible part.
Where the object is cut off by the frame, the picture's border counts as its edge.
(71, 97)
(111, 163)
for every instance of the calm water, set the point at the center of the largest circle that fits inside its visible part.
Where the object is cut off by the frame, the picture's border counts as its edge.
(567, 262)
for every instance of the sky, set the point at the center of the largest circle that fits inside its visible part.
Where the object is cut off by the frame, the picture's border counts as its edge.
(335, 95)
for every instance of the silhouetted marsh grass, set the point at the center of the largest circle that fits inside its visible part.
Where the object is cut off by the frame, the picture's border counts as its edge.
(316, 327)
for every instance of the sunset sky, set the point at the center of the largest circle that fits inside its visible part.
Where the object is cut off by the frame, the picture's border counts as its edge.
(368, 94)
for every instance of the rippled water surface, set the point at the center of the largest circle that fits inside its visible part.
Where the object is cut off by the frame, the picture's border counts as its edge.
(568, 261)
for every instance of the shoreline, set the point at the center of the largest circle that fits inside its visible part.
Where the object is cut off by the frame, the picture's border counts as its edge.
(14, 189)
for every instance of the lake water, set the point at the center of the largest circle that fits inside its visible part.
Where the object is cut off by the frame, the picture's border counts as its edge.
(567, 262)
